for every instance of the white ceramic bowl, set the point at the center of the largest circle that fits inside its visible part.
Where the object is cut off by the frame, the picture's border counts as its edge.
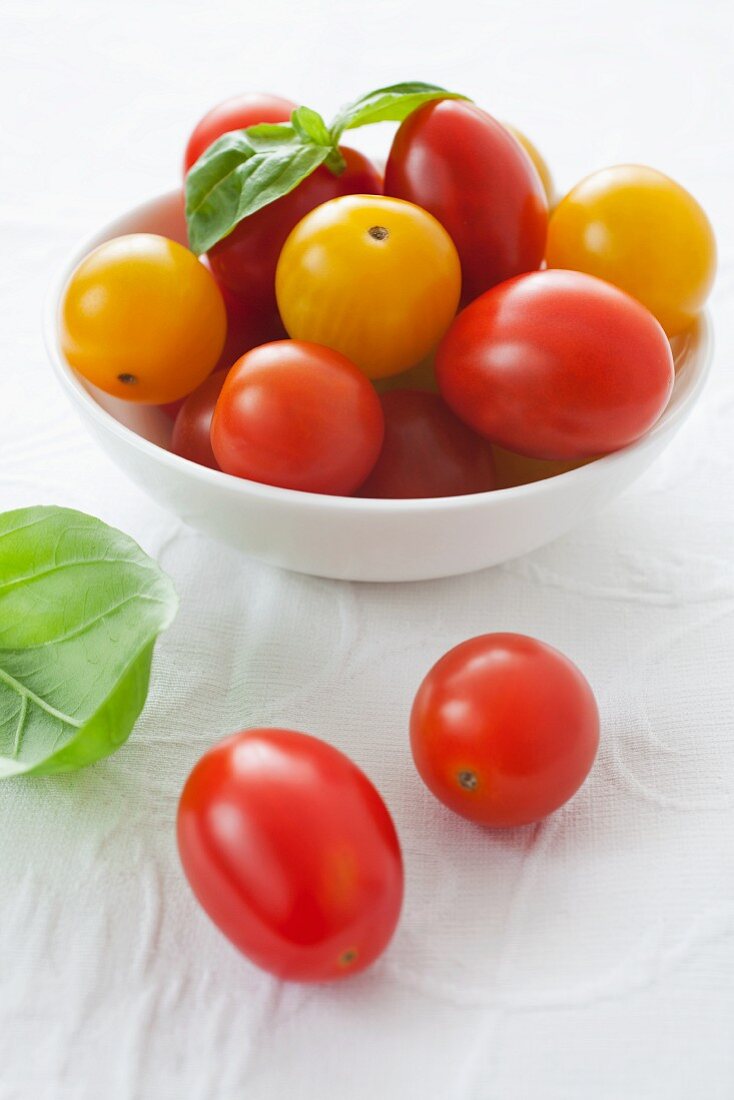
(342, 537)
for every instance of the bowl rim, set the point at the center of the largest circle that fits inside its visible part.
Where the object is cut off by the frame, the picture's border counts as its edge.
(78, 394)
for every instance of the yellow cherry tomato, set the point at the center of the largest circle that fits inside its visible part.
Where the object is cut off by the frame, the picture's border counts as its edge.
(538, 160)
(142, 319)
(375, 278)
(513, 469)
(643, 232)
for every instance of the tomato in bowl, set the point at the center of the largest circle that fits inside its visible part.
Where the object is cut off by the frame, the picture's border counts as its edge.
(353, 538)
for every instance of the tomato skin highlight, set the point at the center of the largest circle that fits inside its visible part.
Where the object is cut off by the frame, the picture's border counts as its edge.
(244, 263)
(504, 729)
(463, 166)
(299, 416)
(191, 429)
(556, 365)
(236, 113)
(427, 451)
(642, 231)
(292, 853)
(143, 319)
(376, 278)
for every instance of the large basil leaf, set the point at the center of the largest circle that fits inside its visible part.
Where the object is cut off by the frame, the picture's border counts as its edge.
(81, 606)
(244, 171)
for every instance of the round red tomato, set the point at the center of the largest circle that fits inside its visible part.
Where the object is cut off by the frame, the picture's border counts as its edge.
(459, 163)
(504, 729)
(300, 416)
(292, 853)
(235, 114)
(191, 429)
(556, 365)
(427, 451)
(244, 263)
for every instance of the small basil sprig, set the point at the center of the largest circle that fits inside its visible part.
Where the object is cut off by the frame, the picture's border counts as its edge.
(245, 170)
(392, 104)
(81, 607)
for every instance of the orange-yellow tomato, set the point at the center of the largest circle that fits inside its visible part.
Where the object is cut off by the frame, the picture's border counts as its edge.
(538, 160)
(643, 232)
(513, 469)
(421, 377)
(142, 319)
(375, 278)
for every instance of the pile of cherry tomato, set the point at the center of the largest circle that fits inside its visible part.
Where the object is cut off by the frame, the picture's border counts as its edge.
(432, 331)
(439, 329)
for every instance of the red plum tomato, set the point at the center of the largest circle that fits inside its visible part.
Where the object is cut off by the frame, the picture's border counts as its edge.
(463, 166)
(292, 853)
(556, 365)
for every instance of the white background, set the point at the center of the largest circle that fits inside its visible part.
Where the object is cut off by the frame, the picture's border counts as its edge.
(590, 957)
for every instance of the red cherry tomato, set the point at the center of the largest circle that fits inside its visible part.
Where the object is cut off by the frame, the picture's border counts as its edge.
(300, 416)
(427, 451)
(463, 166)
(247, 328)
(235, 114)
(556, 365)
(292, 853)
(191, 438)
(504, 729)
(244, 263)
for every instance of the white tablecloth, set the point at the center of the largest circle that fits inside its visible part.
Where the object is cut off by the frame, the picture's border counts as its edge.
(589, 957)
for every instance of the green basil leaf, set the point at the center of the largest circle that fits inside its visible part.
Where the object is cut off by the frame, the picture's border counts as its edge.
(310, 126)
(81, 606)
(242, 172)
(391, 104)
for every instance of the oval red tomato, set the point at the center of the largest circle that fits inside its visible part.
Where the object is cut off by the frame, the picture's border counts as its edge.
(235, 114)
(504, 729)
(292, 853)
(300, 416)
(463, 166)
(427, 451)
(244, 263)
(191, 430)
(556, 365)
